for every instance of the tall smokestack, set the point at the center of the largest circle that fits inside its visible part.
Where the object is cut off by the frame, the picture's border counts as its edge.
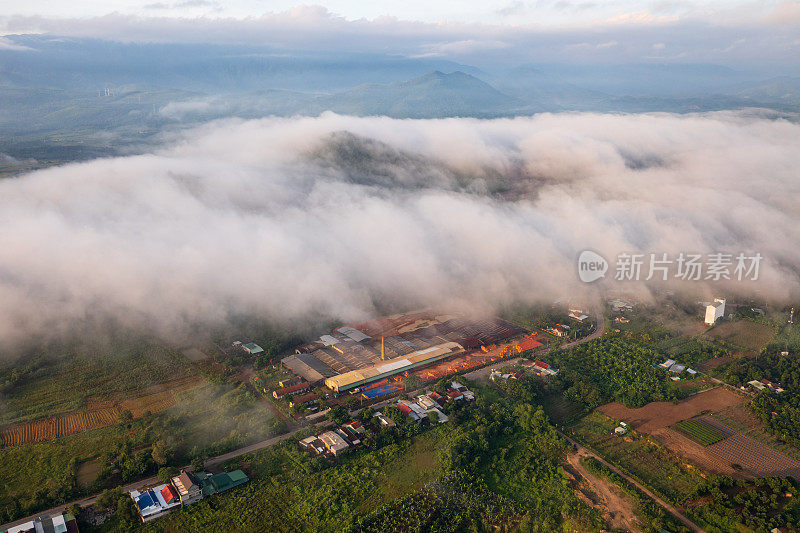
(383, 351)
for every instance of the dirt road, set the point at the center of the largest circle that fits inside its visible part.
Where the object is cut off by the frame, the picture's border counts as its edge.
(582, 450)
(620, 509)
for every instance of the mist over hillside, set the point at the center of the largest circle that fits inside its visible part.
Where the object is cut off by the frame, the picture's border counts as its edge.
(341, 217)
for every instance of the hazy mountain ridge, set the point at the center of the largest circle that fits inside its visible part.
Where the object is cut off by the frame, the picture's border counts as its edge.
(88, 97)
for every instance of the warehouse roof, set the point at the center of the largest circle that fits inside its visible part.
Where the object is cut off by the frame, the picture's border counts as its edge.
(363, 375)
(302, 368)
(289, 390)
(353, 333)
(329, 340)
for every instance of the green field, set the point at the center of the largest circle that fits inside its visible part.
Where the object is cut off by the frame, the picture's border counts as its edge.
(745, 335)
(699, 432)
(60, 379)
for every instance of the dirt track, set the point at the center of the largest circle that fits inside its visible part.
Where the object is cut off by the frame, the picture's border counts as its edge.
(672, 510)
(619, 509)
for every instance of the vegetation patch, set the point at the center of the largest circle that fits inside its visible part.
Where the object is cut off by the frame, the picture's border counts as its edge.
(699, 432)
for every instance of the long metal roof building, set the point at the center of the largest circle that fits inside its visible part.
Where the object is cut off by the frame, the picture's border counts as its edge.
(363, 376)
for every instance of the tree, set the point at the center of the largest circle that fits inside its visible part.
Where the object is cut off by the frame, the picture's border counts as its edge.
(108, 498)
(339, 415)
(125, 416)
(126, 512)
(166, 473)
(198, 463)
(162, 452)
(411, 383)
(75, 510)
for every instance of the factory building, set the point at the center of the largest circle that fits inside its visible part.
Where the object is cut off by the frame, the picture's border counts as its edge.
(358, 378)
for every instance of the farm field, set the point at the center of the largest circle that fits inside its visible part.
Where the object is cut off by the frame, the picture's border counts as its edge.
(60, 426)
(743, 334)
(99, 415)
(699, 431)
(639, 454)
(755, 457)
(741, 419)
(68, 378)
(695, 454)
(657, 415)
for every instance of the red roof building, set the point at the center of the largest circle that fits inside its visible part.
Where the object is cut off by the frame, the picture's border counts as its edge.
(527, 344)
(169, 494)
(541, 364)
(294, 389)
(303, 399)
(454, 394)
(404, 408)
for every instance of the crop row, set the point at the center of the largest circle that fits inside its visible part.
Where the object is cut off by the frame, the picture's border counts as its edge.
(699, 432)
(60, 426)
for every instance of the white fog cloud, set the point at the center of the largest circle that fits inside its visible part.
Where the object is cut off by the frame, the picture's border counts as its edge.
(334, 215)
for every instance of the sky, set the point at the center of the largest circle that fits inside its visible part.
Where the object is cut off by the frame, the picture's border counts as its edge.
(740, 34)
(514, 12)
(743, 35)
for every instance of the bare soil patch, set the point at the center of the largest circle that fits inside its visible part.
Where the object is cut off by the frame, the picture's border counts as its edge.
(694, 453)
(194, 354)
(657, 415)
(87, 472)
(755, 457)
(617, 508)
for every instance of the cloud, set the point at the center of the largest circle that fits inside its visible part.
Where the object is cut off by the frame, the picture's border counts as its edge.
(7, 44)
(699, 37)
(512, 9)
(468, 46)
(345, 217)
(183, 5)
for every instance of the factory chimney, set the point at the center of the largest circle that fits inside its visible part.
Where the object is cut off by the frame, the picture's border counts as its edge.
(383, 351)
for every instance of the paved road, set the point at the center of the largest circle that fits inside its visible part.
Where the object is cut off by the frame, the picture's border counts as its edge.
(214, 462)
(672, 510)
(137, 485)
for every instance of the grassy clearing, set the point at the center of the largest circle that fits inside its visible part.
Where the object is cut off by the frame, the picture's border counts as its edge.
(699, 432)
(745, 335)
(293, 496)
